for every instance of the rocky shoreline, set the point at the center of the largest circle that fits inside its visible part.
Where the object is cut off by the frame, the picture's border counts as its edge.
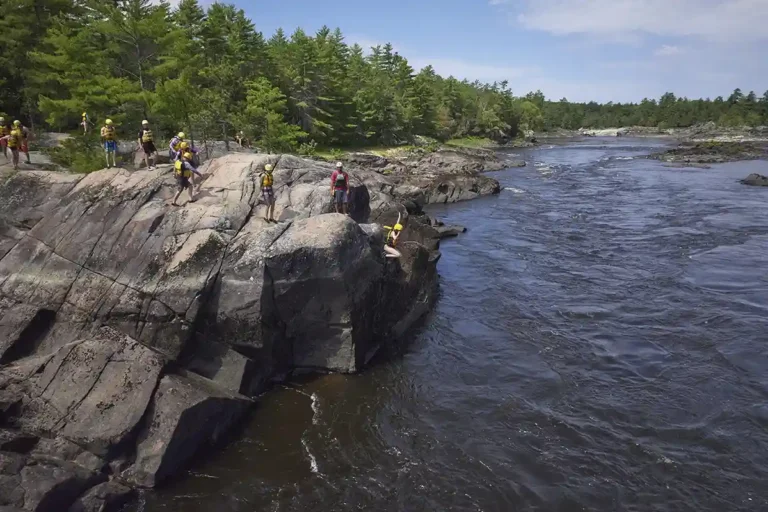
(711, 152)
(134, 334)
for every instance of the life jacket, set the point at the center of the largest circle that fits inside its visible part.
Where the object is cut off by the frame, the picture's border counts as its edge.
(181, 170)
(13, 140)
(4, 130)
(267, 180)
(175, 143)
(391, 240)
(341, 181)
(109, 133)
(146, 136)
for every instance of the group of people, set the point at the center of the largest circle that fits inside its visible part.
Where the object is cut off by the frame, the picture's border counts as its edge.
(340, 191)
(16, 139)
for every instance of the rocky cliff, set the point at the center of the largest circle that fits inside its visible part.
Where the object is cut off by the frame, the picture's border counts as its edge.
(133, 333)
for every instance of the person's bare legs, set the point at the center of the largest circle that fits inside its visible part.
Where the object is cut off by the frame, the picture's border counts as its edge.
(15, 160)
(106, 152)
(391, 252)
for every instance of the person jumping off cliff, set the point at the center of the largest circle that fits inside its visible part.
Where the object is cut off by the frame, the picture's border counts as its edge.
(268, 193)
(340, 189)
(109, 137)
(147, 144)
(393, 234)
(183, 169)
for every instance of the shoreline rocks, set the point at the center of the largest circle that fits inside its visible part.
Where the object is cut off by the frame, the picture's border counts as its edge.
(756, 180)
(134, 333)
(712, 152)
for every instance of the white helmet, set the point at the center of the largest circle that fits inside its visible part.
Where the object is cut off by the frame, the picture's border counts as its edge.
(339, 165)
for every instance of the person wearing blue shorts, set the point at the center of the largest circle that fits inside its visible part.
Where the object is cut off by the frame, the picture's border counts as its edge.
(109, 136)
(340, 189)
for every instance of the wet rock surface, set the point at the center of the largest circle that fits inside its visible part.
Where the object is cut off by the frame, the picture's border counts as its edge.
(132, 332)
(713, 152)
(757, 180)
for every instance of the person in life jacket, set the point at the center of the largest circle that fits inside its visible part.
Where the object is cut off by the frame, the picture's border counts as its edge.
(84, 122)
(184, 170)
(109, 137)
(14, 141)
(393, 233)
(174, 148)
(340, 189)
(147, 144)
(24, 148)
(268, 193)
(5, 130)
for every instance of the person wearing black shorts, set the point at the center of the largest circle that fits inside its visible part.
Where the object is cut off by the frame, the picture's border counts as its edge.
(147, 144)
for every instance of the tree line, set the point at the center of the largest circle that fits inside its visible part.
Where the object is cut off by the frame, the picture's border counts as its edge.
(211, 73)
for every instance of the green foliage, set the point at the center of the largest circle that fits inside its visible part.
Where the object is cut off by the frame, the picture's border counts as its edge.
(308, 148)
(337, 153)
(79, 153)
(209, 72)
(468, 142)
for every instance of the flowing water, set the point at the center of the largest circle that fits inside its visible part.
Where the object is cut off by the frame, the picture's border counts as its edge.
(600, 343)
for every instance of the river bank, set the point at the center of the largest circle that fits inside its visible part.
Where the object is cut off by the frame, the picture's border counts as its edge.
(135, 334)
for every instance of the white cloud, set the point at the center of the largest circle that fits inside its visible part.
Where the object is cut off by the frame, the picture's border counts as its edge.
(718, 20)
(669, 51)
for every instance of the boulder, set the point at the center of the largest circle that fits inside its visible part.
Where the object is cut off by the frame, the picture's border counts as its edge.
(187, 412)
(105, 497)
(132, 331)
(757, 180)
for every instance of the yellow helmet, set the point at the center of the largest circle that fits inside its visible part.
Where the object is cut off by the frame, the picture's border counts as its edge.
(17, 123)
(2, 119)
(84, 114)
(144, 122)
(269, 167)
(184, 145)
(398, 227)
(181, 135)
(109, 122)
(188, 155)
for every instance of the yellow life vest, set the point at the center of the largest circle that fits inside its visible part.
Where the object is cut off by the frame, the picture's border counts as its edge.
(4, 130)
(146, 136)
(109, 133)
(181, 170)
(14, 139)
(267, 180)
(176, 144)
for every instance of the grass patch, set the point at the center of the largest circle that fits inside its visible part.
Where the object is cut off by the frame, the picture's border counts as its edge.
(83, 154)
(471, 142)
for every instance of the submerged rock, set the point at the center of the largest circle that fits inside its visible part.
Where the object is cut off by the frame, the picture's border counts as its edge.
(712, 152)
(757, 180)
(132, 333)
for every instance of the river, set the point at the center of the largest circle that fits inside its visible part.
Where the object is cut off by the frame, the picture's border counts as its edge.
(600, 343)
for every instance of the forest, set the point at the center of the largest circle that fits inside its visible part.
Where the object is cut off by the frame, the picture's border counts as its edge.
(209, 71)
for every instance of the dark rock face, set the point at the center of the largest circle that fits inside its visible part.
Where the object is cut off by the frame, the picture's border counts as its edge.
(757, 180)
(133, 332)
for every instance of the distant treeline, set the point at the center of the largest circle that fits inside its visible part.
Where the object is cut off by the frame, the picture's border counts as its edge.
(211, 73)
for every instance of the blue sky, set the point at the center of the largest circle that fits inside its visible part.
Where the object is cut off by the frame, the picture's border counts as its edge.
(606, 50)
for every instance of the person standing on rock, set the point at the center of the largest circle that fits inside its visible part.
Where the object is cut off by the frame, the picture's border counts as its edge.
(183, 169)
(268, 193)
(147, 144)
(340, 189)
(84, 123)
(24, 138)
(109, 136)
(5, 130)
(13, 140)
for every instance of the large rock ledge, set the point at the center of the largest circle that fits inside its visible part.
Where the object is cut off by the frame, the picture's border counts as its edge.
(133, 333)
(442, 176)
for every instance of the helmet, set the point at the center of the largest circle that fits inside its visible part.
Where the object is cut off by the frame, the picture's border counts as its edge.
(339, 165)
(144, 122)
(181, 135)
(17, 123)
(398, 227)
(188, 155)
(184, 145)
(84, 114)
(109, 121)
(269, 167)
(2, 119)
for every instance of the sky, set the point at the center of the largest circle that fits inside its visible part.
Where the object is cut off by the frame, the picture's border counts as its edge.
(602, 50)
